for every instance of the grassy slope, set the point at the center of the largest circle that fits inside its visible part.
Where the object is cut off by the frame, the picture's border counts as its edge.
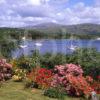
(15, 91)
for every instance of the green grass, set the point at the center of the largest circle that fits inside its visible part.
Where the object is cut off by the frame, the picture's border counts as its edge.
(15, 91)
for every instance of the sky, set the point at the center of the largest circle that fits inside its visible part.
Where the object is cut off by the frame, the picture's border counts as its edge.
(19, 13)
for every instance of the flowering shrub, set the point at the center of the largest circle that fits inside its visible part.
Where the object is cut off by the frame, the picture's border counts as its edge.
(44, 77)
(70, 77)
(96, 86)
(5, 70)
(32, 75)
(19, 74)
(79, 85)
(89, 79)
(40, 76)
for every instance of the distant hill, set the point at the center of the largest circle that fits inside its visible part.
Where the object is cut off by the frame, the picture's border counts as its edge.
(76, 29)
(53, 31)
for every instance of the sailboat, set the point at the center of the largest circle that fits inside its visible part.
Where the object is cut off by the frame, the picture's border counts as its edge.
(98, 38)
(24, 38)
(23, 46)
(38, 44)
(72, 47)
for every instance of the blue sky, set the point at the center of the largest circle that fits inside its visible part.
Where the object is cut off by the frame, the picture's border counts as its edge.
(87, 2)
(18, 13)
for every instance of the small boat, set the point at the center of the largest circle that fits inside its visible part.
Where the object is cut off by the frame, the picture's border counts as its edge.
(73, 48)
(24, 38)
(38, 44)
(98, 38)
(23, 46)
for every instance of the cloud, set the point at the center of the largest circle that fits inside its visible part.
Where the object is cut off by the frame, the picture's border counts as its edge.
(2, 1)
(97, 2)
(30, 12)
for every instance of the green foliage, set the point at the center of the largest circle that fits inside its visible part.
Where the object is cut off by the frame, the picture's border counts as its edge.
(55, 93)
(49, 61)
(89, 59)
(7, 48)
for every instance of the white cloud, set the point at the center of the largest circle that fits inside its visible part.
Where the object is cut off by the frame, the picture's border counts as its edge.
(34, 2)
(30, 12)
(97, 2)
(2, 1)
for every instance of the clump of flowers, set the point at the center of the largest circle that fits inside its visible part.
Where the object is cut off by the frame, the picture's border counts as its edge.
(70, 77)
(40, 76)
(96, 86)
(44, 77)
(19, 74)
(5, 70)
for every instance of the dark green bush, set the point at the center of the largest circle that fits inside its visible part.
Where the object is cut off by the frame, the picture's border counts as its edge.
(54, 93)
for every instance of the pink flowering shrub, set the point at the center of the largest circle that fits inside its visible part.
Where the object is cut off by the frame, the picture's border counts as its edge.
(5, 70)
(70, 77)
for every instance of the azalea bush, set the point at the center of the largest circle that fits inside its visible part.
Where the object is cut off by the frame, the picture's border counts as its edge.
(70, 77)
(44, 77)
(19, 74)
(31, 78)
(41, 76)
(5, 70)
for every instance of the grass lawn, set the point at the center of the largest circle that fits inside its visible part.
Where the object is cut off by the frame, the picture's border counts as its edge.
(15, 91)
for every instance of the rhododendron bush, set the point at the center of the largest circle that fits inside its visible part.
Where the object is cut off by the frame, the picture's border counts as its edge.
(41, 76)
(44, 77)
(70, 77)
(5, 70)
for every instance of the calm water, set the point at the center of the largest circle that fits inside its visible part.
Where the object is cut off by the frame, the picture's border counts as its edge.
(54, 46)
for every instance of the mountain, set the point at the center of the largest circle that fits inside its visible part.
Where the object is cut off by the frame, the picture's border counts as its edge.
(76, 29)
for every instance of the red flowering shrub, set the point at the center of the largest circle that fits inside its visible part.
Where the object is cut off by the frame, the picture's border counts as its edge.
(5, 70)
(41, 76)
(44, 77)
(70, 77)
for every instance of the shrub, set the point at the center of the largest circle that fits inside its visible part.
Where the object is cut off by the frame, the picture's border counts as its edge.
(70, 77)
(31, 78)
(79, 85)
(30, 84)
(55, 93)
(5, 70)
(44, 77)
(27, 63)
(19, 74)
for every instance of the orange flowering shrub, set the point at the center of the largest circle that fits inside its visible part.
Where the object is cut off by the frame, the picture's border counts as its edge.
(32, 75)
(79, 84)
(70, 77)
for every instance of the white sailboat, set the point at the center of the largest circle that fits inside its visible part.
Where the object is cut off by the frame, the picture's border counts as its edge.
(24, 38)
(23, 46)
(72, 47)
(98, 38)
(38, 44)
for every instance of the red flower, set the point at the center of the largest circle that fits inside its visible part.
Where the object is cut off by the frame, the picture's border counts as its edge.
(43, 77)
(98, 77)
